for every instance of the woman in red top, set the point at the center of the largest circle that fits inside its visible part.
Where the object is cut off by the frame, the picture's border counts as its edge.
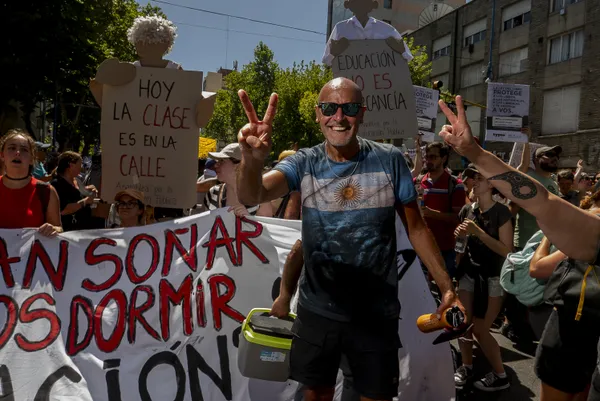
(24, 201)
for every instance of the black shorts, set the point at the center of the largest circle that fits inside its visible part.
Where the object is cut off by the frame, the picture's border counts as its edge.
(371, 351)
(567, 353)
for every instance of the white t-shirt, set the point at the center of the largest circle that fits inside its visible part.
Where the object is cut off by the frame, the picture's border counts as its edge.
(352, 29)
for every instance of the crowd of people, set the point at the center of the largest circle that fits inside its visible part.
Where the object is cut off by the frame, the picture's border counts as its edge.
(466, 230)
(57, 195)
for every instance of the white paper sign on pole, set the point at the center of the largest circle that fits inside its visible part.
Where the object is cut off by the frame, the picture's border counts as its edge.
(426, 104)
(154, 312)
(507, 112)
(388, 93)
(517, 154)
(149, 136)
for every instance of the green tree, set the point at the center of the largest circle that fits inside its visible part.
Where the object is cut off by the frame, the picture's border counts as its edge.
(257, 78)
(420, 65)
(53, 48)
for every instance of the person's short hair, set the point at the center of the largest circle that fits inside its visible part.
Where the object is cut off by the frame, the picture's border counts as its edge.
(152, 29)
(66, 159)
(443, 149)
(565, 175)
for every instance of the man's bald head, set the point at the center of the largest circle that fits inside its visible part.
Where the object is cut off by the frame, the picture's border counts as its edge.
(340, 86)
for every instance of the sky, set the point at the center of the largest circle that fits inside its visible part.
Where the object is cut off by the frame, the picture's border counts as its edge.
(205, 49)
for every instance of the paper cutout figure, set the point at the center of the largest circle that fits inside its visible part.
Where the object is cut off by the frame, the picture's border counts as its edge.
(361, 26)
(153, 38)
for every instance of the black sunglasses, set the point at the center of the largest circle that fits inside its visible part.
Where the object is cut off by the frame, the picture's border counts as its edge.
(349, 109)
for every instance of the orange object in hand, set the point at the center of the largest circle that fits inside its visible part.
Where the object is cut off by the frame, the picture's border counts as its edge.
(452, 318)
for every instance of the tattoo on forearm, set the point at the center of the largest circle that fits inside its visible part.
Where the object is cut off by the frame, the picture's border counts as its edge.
(518, 182)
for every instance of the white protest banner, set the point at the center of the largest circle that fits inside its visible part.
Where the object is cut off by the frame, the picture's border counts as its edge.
(507, 112)
(388, 94)
(426, 103)
(517, 154)
(149, 136)
(154, 312)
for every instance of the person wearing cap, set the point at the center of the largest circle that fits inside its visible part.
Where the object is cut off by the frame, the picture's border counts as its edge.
(545, 160)
(130, 208)
(39, 172)
(225, 194)
(488, 227)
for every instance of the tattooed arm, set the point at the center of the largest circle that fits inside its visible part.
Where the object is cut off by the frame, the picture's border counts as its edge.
(573, 231)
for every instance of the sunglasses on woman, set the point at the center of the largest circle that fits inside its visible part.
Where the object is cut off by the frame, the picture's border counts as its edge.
(349, 109)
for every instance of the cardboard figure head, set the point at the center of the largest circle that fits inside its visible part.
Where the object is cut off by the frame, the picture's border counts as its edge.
(152, 36)
(361, 7)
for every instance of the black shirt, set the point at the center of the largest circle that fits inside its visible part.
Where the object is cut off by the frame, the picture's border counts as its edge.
(478, 258)
(572, 197)
(67, 193)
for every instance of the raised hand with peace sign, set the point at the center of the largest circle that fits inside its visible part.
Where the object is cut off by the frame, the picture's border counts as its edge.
(255, 137)
(458, 135)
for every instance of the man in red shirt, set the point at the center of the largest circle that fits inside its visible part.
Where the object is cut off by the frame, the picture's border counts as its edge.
(443, 196)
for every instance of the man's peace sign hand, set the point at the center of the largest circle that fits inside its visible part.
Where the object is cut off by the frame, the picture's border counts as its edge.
(255, 137)
(458, 135)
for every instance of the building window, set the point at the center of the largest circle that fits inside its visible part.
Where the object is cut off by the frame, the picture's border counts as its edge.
(472, 75)
(478, 37)
(517, 21)
(387, 4)
(441, 53)
(558, 119)
(566, 47)
(512, 62)
(557, 5)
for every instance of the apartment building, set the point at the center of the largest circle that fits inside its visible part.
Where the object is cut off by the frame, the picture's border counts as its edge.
(547, 44)
(404, 15)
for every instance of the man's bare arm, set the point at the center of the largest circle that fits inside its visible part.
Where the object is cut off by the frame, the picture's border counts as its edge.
(427, 249)
(291, 271)
(572, 230)
(255, 188)
(289, 280)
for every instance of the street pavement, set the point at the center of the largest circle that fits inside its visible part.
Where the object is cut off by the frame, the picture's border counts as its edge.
(519, 365)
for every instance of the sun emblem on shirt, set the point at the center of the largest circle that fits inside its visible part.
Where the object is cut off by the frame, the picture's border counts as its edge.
(348, 193)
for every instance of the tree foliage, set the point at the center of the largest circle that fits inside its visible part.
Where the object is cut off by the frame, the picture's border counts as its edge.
(52, 49)
(298, 89)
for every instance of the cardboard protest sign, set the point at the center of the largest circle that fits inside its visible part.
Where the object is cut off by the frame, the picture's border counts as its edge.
(426, 104)
(388, 94)
(149, 136)
(507, 112)
(517, 154)
(155, 312)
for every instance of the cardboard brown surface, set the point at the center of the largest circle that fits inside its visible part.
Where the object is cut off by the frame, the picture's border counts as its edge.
(214, 82)
(205, 108)
(149, 137)
(388, 93)
(114, 72)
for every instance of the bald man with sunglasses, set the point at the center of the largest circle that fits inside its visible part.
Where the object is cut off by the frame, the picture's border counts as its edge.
(351, 189)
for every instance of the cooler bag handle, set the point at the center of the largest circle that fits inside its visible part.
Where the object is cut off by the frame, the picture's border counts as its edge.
(265, 312)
